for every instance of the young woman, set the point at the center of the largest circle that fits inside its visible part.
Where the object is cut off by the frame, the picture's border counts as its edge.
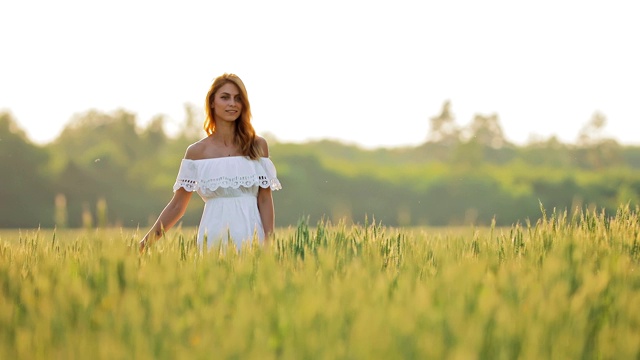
(231, 171)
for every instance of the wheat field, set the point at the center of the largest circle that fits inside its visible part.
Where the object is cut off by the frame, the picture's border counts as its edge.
(565, 287)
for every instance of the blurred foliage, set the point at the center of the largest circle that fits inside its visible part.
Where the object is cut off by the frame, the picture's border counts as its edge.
(24, 187)
(106, 169)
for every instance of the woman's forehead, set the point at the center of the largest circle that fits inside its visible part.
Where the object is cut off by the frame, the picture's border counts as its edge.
(229, 88)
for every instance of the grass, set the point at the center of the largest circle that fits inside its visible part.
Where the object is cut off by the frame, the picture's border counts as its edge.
(565, 287)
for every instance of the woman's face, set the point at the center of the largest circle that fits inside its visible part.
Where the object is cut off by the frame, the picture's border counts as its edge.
(226, 104)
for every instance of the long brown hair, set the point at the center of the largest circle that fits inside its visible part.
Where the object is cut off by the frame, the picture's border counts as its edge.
(245, 135)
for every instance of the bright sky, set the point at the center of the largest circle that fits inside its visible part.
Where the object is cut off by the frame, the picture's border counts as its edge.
(365, 72)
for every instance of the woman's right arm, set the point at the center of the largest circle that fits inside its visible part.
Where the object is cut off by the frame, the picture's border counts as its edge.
(175, 208)
(169, 216)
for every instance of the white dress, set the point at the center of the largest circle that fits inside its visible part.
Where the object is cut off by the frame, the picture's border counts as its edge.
(229, 187)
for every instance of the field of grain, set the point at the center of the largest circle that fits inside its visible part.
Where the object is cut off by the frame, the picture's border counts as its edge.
(565, 287)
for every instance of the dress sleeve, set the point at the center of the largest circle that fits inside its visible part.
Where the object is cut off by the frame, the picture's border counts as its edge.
(271, 178)
(187, 176)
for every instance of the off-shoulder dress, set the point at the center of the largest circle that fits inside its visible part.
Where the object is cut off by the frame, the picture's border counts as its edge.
(229, 187)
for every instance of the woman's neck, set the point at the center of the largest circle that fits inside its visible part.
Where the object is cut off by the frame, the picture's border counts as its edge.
(225, 134)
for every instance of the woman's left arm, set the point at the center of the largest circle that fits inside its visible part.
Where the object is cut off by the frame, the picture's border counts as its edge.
(265, 199)
(267, 213)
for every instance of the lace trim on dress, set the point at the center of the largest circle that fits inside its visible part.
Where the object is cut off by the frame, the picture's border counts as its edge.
(229, 182)
(274, 184)
(238, 181)
(189, 185)
(262, 174)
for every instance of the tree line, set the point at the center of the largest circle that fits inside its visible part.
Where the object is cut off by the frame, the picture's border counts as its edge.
(106, 170)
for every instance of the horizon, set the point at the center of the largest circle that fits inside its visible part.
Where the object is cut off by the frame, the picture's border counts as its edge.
(270, 135)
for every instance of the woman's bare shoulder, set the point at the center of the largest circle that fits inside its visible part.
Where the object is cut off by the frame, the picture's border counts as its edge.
(262, 144)
(197, 150)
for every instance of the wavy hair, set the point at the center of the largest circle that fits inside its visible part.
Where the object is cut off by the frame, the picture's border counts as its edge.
(245, 135)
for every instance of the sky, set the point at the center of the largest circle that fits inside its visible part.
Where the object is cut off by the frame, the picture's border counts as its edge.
(369, 73)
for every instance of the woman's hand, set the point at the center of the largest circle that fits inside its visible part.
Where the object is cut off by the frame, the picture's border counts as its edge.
(142, 245)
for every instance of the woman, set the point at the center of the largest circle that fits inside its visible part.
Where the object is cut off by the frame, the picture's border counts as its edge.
(231, 171)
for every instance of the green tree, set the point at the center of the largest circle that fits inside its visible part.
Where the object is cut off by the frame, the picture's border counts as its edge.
(547, 152)
(96, 137)
(486, 131)
(593, 148)
(192, 129)
(154, 136)
(443, 128)
(593, 131)
(99, 154)
(26, 199)
(443, 137)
